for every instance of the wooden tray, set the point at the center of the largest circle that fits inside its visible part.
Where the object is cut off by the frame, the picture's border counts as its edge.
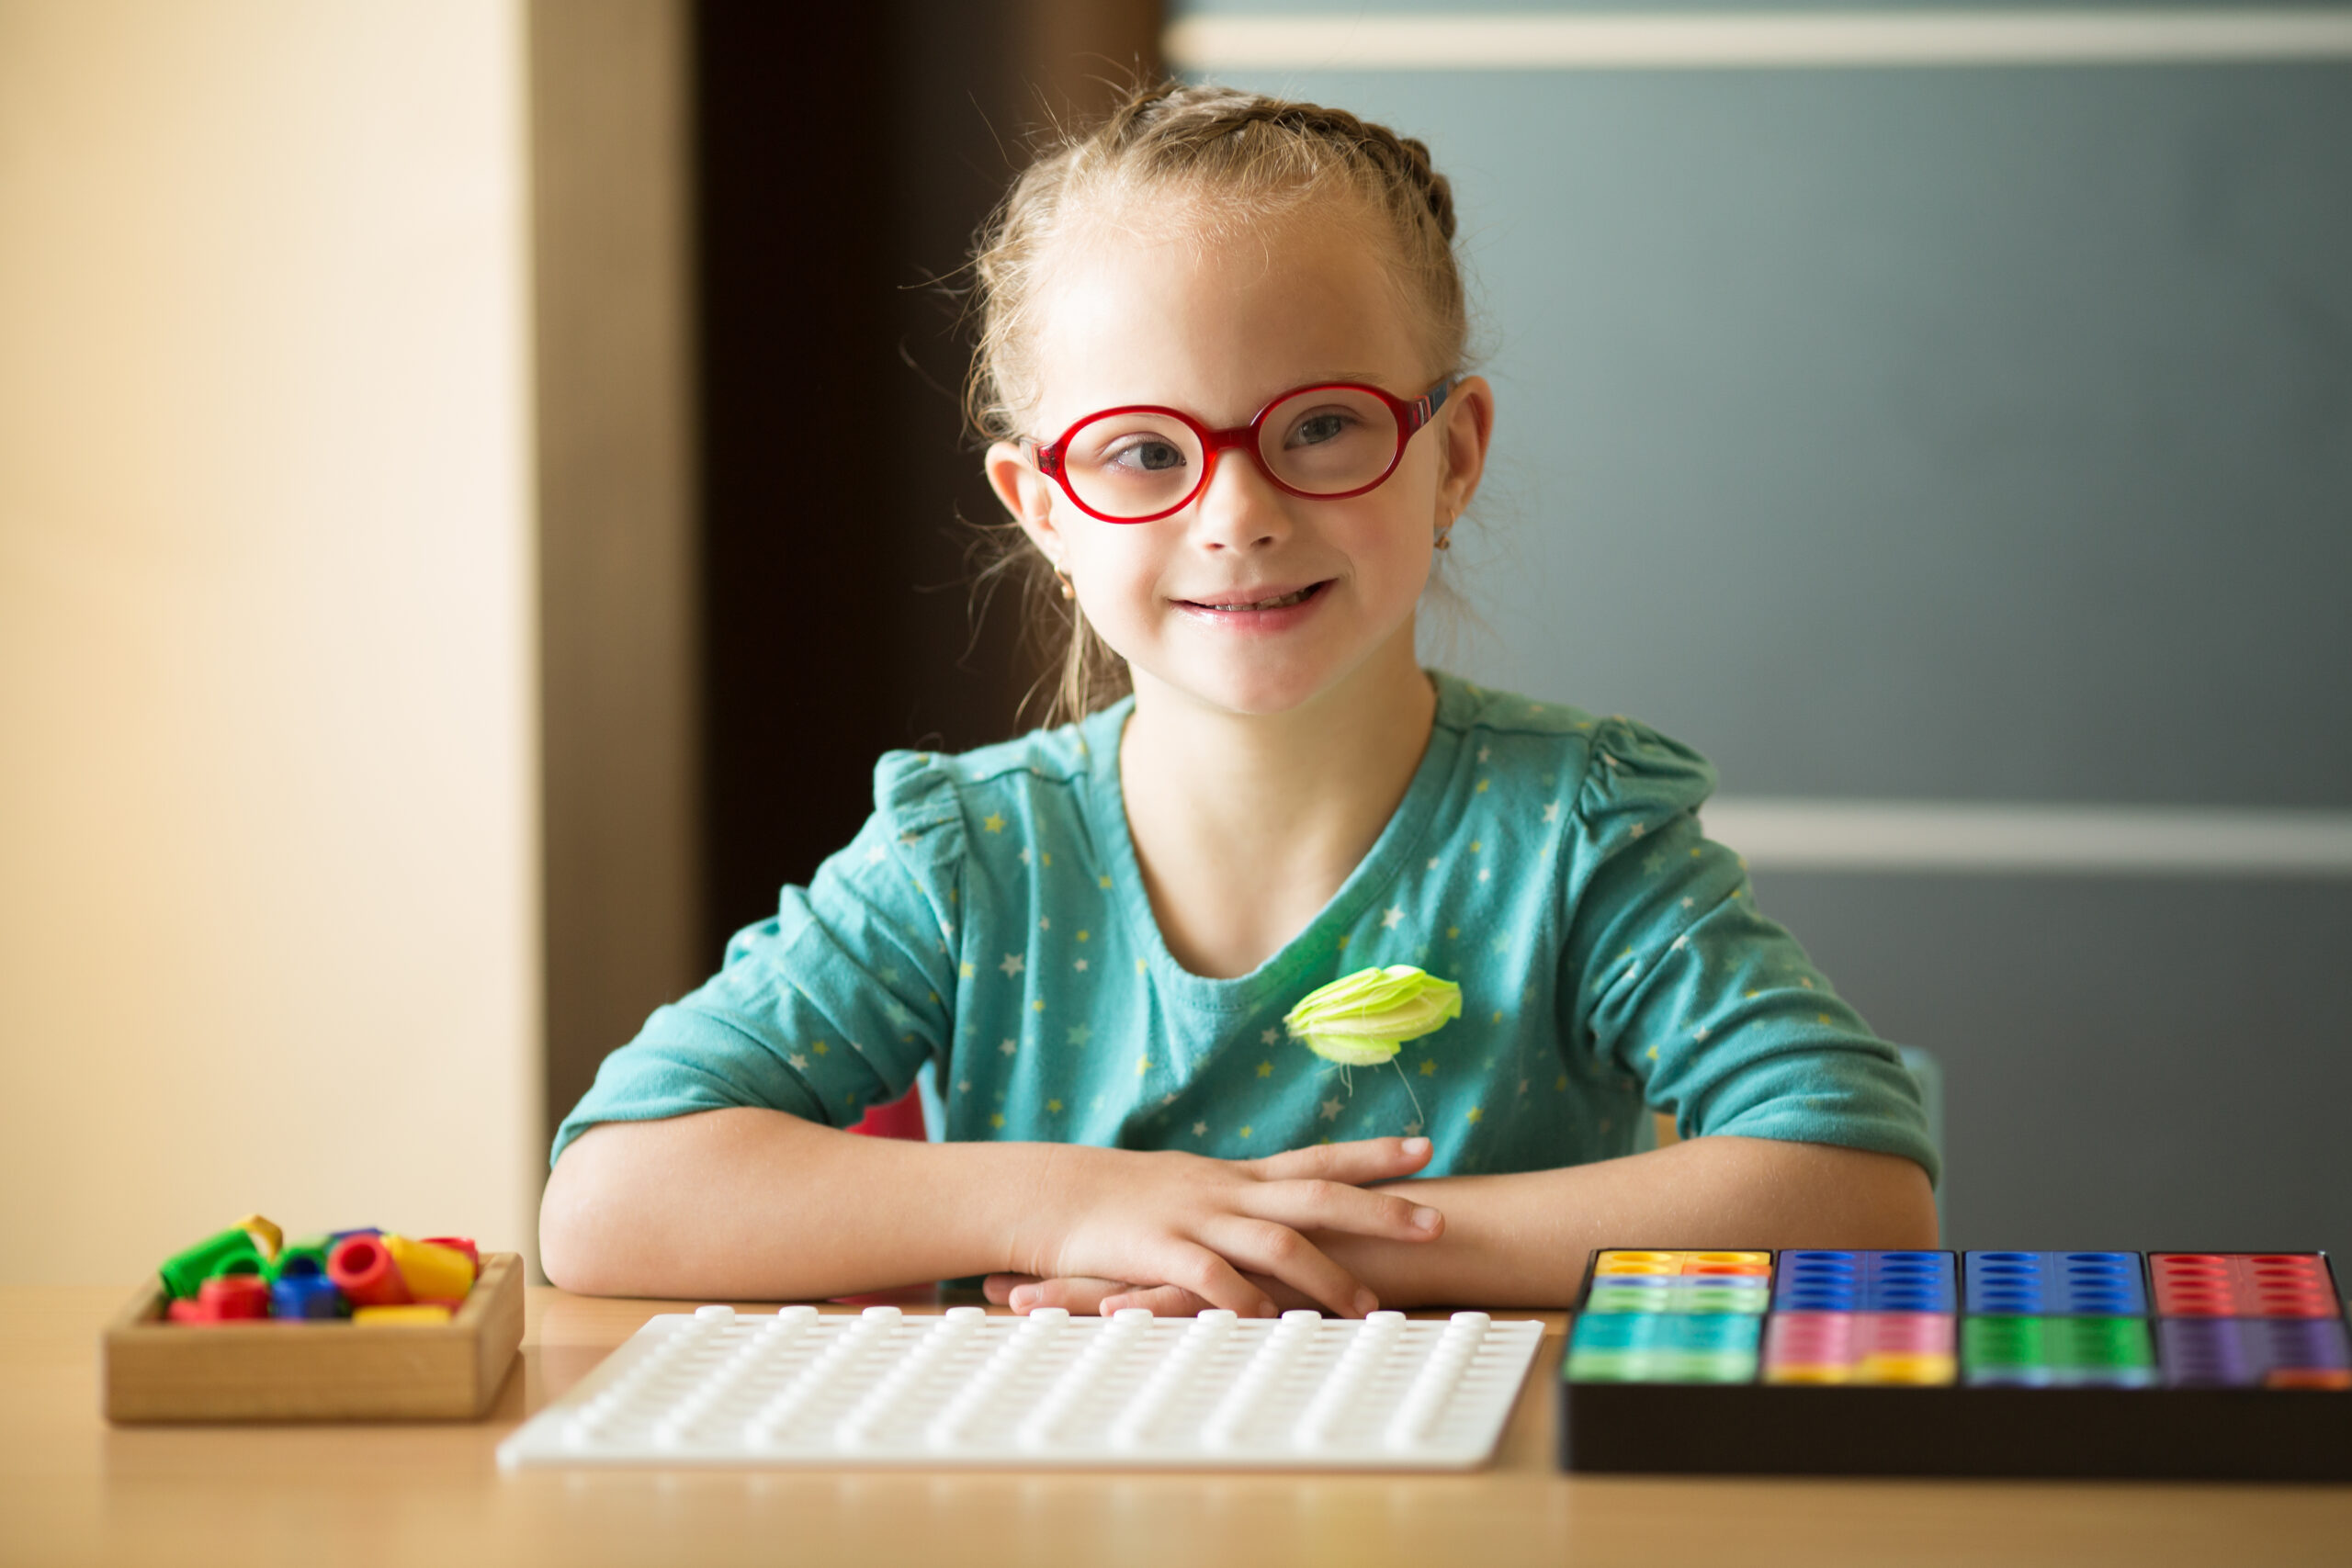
(282, 1371)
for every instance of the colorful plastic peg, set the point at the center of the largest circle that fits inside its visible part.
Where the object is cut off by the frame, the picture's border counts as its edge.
(231, 1251)
(232, 1296)
(305, 1296)
(407, 1314)
(431, 1272)
(191, 1311)
(267, 1237)
(361, 1267)
(300, 1258)
(461, 1243)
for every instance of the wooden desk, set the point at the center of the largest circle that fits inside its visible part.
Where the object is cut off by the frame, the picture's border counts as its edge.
(73, 1490)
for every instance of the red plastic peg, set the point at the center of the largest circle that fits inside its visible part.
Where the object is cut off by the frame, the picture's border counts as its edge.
(361, 1267)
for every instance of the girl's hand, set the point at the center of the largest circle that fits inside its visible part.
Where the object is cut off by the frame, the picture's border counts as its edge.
(1186, 1231)
(1026, 1293)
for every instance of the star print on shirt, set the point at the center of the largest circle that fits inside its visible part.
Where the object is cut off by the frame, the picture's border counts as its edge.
(1330, 1110)
(1009, 1048)
(1485, 752)
(993, 823)
(1080, 1034)
(1079, 965)
(799, 1062)
(1412, 1128)
(1551, 811)
(1270, 1036)
(1393, 918)
(1265, 1069)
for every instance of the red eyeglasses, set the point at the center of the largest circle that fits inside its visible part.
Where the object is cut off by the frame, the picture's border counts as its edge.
(1141, 463)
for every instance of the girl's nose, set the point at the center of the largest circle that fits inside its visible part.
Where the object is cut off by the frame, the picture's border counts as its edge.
(1238, 507)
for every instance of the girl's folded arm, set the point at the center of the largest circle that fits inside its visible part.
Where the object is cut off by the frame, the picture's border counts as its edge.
(1522, 1239)
(750, 1204)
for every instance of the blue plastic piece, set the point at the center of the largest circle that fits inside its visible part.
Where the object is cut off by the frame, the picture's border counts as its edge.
(305, 1295)
(1816, 1281)
(2056, 1285)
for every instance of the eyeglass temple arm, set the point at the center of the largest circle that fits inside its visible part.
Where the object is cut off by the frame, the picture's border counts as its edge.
(1425, 407)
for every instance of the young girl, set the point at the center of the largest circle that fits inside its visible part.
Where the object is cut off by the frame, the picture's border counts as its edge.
(1222, 367)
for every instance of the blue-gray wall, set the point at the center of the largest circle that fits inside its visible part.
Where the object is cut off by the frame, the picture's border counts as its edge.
(1966, 433)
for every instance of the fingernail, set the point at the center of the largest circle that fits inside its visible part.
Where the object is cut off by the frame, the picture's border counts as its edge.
(1024, 1297)
(1417, 1145)
(1265, 1308)
(1425, 1218)
(1367, 1304)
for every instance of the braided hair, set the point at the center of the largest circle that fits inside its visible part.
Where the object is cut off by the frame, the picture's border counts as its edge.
(1246, 158)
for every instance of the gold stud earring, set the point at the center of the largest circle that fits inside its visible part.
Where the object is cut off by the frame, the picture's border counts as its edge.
(1068, 591)
(1445, 537)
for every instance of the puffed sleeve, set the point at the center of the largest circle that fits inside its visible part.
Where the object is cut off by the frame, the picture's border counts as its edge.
(1673, 978)
(831, 1006)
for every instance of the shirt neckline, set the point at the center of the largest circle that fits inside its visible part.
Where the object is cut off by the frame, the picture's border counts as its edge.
(1318, 942)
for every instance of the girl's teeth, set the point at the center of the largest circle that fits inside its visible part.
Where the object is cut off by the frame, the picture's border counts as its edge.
(1279, 603)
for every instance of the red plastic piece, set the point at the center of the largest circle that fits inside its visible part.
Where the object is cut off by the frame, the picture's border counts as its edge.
(458, 1243)
(2242, 1284)
(187, 1309)
(903, 1118)
(235, 1296)
(361, 1267)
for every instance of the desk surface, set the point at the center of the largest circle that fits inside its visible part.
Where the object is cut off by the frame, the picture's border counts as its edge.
(74, 1490)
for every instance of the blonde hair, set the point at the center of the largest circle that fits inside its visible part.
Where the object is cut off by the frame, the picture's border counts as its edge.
(1243, 159)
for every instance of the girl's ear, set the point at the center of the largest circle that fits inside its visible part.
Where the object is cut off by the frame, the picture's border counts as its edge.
(1464, 426)
(1027, 494)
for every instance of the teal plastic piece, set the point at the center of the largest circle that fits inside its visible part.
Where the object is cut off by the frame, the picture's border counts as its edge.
(1652, 1346)
(231, 1252)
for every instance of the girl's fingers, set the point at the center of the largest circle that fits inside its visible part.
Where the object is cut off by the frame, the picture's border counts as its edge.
(1365, 1159)
(1080, 1294)
(1322, 1204)
(999, 1288)
(1160, 1300)
(1205, 1273)
(1281, 1254)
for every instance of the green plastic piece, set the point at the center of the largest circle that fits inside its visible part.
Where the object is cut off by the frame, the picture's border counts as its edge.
(2101, 1342)
(2102, 1349)
(1706, 1299)
(231, 1252)
(300, 1257)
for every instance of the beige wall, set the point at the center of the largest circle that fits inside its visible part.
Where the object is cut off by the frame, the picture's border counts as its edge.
(268, 786)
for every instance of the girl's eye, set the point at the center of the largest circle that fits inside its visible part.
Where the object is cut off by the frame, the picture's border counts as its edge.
(1327, 424)
(1148, 454)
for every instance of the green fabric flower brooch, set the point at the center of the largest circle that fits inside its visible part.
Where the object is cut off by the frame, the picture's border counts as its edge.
(1365, 1019)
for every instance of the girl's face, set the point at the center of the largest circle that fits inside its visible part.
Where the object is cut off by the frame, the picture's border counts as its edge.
(1249, 600)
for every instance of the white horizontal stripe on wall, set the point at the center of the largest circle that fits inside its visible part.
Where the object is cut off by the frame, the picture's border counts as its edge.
(1591, 40)
(1932, 836)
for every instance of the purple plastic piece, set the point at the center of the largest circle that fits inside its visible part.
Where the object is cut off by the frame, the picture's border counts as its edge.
(2242, 1352)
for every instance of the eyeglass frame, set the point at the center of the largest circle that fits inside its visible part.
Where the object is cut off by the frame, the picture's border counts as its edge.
(1410, 417)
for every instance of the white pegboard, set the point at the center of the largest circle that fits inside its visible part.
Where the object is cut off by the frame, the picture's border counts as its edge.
(1048, 1391)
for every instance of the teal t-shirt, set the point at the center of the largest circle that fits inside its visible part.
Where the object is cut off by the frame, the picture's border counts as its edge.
(991, 919)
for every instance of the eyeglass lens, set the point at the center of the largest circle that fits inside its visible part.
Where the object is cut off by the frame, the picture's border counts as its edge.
(1320, 440)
